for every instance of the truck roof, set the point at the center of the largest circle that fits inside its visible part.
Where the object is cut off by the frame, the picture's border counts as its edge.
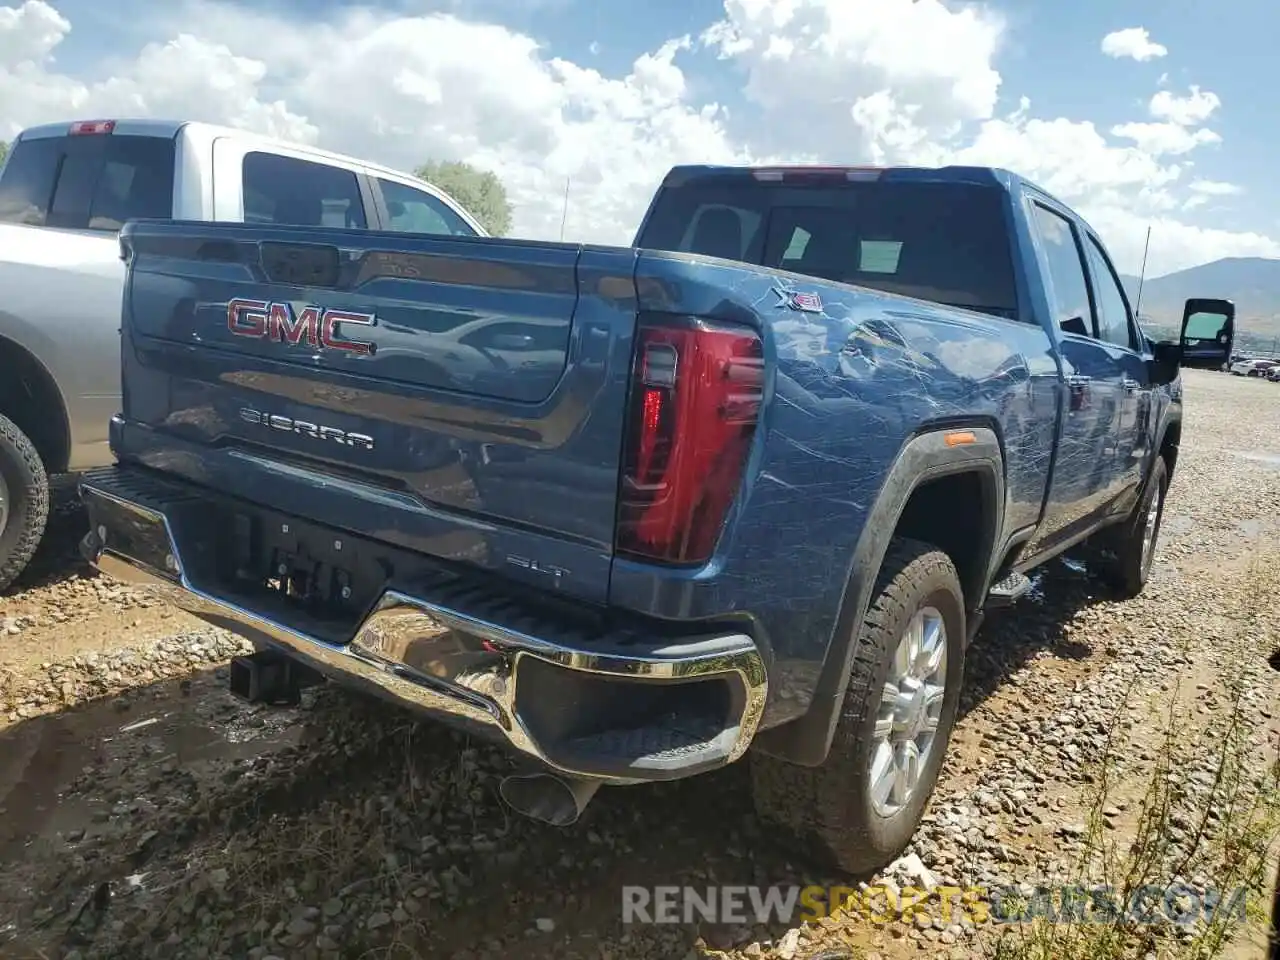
(993, 176)
(148, 127)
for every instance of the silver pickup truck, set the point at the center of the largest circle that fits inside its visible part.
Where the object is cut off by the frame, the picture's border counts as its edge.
(65, 191)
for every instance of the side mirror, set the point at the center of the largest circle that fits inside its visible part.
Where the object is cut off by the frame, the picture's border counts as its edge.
(1208, 333)
(1166, 362)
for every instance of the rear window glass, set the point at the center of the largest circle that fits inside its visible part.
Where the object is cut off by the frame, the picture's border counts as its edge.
(94, 182)
(944, 242)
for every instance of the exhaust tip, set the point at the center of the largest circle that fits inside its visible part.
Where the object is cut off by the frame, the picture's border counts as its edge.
(547, 797)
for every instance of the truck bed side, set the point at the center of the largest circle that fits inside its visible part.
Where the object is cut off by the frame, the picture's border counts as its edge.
(860, 393)
(56, 284)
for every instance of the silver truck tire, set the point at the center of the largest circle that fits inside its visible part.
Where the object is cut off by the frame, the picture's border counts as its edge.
(24, 501)
(897, 715)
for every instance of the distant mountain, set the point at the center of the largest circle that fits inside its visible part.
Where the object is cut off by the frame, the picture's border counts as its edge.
(1130, 287)
(1252, 282)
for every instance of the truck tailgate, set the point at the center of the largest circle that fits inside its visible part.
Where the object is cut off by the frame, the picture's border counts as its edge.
(459, 398)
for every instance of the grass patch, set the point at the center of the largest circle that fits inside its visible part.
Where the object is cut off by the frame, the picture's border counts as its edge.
(1199, 859)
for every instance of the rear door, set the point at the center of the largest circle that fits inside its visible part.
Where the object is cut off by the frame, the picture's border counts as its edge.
(288, 187)
(1089, 469)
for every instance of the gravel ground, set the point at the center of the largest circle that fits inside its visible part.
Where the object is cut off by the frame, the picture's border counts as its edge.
(144, 812)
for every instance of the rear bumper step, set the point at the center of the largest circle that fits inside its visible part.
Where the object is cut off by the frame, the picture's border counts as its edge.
(617, 708)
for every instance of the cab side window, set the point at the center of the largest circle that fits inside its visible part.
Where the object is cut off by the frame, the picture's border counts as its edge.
(1113, 308)
(415, 211)
(1069, 297)
(287, 190)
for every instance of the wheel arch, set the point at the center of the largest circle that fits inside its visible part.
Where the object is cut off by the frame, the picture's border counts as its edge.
(1170, 440)
(30, 397)
(929, 470)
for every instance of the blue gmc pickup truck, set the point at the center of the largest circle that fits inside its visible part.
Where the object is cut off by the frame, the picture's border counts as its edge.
(747, 485)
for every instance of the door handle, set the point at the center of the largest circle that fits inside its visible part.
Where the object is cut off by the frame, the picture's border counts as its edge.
(1078, 391)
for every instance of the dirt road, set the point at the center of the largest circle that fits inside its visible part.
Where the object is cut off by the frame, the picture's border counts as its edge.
(144, 812)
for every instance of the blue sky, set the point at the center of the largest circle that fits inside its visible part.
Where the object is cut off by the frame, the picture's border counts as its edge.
(1051, 56)
(486, 87)
(1229, 48)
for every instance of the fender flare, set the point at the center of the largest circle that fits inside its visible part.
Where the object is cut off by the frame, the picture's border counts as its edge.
(1172, 417)
(60, 415)
(924, 457)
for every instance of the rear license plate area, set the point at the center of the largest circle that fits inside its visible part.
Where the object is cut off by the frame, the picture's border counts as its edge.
(277, 563)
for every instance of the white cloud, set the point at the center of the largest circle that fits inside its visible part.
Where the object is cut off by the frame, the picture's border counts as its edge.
(1164, 138)
(179, 77)
(1186, 111)
(1133, 42)
(1202, 191)
(1121, 189)
(901, 81)
(1174, 243)
(1215, 188)
(935, 58)
(29, 33)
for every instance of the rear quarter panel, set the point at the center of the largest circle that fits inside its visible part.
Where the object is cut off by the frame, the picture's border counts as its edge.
(848, 387)
(62, 303)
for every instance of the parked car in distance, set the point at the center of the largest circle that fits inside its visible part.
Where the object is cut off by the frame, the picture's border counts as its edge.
(65, 191)
(1274, 373)
(1253, 367)
(747, 486)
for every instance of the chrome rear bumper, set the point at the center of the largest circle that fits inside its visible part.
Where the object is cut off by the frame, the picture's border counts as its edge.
(499, 679)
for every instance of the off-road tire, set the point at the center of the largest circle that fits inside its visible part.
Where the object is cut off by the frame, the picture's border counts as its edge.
(826, 811)
(1121, 562)
(28, 487)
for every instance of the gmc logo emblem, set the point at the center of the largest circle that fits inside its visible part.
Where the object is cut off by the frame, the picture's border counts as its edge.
(280, 323)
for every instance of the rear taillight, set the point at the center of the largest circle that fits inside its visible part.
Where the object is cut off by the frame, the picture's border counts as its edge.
(89, 127)
(696, 394)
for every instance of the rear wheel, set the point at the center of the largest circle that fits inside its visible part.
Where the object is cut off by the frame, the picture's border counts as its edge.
(858, 811)
(1130, 547)
(24, 501)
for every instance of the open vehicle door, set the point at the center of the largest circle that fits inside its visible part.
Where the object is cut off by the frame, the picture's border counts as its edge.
(1208, 333)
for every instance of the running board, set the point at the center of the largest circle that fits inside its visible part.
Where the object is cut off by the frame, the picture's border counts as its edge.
(1008, 591)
